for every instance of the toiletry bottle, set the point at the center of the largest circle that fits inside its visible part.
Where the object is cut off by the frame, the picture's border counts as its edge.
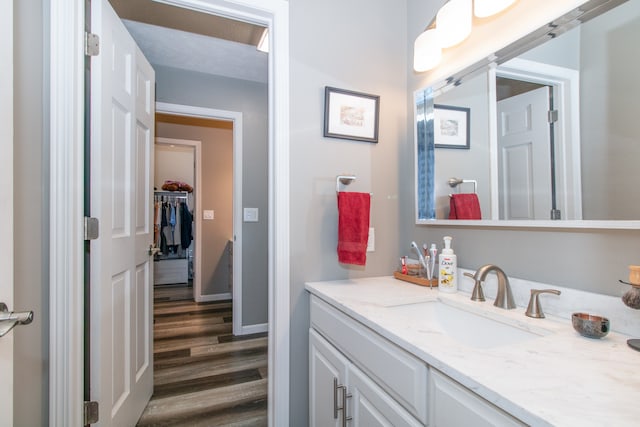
(448, 269)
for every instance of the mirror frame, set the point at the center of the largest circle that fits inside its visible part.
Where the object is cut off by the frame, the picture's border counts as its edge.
(513, 47)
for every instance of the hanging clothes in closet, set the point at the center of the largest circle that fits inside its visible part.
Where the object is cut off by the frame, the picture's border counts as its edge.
(172, 224)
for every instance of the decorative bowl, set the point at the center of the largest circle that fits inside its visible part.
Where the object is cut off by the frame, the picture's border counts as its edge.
(590, 326)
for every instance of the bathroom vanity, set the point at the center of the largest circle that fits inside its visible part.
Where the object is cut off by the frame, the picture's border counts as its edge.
(386, 352)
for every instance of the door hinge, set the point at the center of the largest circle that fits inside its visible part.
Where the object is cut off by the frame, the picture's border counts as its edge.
(91, 44)
(91, 228)
(552, 116)
(90, 413)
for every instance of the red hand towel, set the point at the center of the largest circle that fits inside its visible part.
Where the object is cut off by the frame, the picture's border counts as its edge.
(353, 227)
(464, 206)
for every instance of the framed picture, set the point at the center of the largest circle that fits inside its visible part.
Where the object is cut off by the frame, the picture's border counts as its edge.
(451, 126)
(351, 115)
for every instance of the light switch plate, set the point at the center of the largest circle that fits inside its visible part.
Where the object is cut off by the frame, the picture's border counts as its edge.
(208, 214)
(250, 214)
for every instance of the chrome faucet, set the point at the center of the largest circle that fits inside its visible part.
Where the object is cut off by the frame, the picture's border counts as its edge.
(504, 297)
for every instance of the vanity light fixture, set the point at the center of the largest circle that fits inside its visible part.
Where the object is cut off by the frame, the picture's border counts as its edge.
(451, 26)
(453, 22)
(426, 51)
(486, 8)
(263, 44)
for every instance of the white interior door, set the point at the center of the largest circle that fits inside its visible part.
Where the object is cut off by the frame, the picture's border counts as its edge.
(6, 209)
(121, 268)
(524, 156)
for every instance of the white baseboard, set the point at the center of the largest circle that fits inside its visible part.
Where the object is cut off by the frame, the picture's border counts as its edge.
(254, 329)
(213, 297)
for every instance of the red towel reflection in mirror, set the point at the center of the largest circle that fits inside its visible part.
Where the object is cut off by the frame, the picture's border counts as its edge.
(464, 206)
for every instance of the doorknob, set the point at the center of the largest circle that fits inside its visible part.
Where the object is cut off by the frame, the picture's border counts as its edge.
(153, 250)
(10, 319)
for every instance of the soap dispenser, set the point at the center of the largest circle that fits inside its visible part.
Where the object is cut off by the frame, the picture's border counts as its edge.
(448, 268)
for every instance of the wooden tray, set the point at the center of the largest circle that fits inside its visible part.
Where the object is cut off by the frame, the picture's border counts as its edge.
(421, 281)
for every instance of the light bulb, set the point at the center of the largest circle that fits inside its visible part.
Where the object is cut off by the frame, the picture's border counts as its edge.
(453, 22)
(426, 51)
(486, 8)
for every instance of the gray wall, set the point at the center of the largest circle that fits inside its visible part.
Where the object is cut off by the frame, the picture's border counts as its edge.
(202, 90)
(217, 195)
(592, 260)
(357, 45)
(31, 229)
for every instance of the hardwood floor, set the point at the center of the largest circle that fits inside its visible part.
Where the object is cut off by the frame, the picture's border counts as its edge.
(203, 375)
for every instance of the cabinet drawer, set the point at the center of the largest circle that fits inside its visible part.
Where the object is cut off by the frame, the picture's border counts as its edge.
(453, 405)
(397, 372)
(169, 271)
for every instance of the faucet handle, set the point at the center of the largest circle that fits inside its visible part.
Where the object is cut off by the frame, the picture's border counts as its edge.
(534, 309)
(478, 293)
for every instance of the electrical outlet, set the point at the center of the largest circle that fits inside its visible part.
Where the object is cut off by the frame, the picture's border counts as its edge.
(208, 214)
(371, 243)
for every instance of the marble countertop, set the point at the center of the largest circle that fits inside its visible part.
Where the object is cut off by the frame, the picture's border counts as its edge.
(559, 379)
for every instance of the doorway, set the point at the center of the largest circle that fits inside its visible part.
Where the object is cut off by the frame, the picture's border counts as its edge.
(67, 142)
(563, 84)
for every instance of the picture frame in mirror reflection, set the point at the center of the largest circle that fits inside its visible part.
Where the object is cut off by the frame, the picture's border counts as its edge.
(451, 126)
(351, 115)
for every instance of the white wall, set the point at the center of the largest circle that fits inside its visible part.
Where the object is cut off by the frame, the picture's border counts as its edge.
(174, 164)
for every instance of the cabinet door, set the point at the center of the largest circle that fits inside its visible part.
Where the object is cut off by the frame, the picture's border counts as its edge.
(453, 405)
(370, 406)
(325, 364)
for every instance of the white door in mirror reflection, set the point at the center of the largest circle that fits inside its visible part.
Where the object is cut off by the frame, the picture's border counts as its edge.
(524, 156)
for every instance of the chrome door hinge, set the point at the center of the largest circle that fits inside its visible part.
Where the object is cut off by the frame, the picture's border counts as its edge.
(552, 116)
(91, 228)
(91, 44)
(90, 413)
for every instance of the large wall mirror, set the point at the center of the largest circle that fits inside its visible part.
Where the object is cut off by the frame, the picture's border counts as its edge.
(553, 132)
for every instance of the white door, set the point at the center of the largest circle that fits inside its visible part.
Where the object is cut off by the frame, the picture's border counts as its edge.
(6, 209)
(121, 269)
(524, 156)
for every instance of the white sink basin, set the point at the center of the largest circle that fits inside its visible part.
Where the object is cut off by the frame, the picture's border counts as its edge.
(466, 327)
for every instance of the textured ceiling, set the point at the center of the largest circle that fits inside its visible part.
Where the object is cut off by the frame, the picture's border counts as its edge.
(180, 38)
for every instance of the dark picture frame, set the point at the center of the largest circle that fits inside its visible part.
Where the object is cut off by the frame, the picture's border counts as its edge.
(351, 115)
(451, 127)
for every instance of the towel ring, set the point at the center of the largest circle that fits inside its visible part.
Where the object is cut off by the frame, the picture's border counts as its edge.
(345, 180)
(454, 182)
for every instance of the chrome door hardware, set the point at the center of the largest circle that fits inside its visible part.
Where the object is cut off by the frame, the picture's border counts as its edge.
(10, 319)
(343, 408)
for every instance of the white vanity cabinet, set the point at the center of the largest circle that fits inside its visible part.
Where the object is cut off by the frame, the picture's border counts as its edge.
(381, 384)
(384, 384)
(343, 395)
(452, 405)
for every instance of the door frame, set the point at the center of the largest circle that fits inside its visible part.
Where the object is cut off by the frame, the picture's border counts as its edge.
(236, 118)
(66, 79)
(565, 84)
(197, 194)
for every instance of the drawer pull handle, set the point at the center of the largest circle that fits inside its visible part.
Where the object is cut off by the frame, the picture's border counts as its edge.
(345, 396)
(335, 398)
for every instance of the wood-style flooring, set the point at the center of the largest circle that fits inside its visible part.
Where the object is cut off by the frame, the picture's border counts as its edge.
(203, 375)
